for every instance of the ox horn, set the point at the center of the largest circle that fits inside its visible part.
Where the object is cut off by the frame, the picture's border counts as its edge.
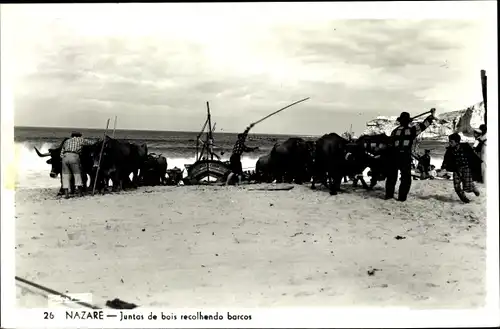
(42, 154)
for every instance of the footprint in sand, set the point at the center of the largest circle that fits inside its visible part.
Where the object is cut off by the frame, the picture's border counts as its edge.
(420, 297)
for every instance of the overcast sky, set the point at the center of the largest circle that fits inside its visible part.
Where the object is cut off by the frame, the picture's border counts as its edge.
(155, 66)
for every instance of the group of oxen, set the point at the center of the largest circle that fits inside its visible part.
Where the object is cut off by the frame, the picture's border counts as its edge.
(328, 160)
(118, 161)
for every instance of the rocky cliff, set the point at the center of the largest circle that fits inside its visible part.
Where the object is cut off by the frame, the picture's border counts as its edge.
(462, 121)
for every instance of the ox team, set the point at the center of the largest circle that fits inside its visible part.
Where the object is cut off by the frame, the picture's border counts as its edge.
(78, 157)
(325, 161)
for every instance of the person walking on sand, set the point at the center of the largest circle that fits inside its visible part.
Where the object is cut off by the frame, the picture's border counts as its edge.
(235, 159)
(480, 149)
(403, 137)
(71, 166)
(465, 164)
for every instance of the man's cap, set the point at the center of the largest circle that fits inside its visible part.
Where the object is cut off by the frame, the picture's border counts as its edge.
(404, 117)
(76, 134)
(455, 137)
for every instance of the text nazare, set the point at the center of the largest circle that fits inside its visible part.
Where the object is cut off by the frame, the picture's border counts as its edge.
(85, 315)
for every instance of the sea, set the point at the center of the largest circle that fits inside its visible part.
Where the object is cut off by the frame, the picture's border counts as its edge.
(179, 147)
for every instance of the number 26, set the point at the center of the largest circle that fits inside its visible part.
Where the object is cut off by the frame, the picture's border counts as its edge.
(48, 315)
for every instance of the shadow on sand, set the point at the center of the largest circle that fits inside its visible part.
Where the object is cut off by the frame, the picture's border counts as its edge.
(442, 198)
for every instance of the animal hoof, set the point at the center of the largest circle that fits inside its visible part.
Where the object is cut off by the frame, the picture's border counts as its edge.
(333, 193)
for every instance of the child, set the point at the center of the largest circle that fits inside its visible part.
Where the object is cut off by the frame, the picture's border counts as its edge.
(461, 159)
(432, 172)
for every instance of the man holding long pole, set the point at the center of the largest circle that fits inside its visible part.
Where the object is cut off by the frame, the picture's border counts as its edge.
(235, 159)
(403, 137)
(240, 147)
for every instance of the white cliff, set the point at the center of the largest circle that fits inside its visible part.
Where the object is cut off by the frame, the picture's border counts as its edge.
(463, 121)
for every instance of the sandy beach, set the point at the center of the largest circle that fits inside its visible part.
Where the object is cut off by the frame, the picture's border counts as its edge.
(195, 246)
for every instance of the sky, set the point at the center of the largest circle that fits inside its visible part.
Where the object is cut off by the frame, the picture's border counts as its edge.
(155, 66)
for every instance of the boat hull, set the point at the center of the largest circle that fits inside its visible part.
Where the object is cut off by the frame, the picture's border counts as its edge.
(203, 169)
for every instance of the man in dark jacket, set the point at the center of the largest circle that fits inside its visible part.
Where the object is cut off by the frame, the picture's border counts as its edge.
(403, 137)
(235, 159)
(480, 149)
(461, 159)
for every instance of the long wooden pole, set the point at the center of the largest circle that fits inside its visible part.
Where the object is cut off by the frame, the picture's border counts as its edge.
(484, 89)
(210, 129)
(209, 137)
(419, 115)
(100, 157)
(284, 108)
(197, 140)
(53, 292)
(114, 127)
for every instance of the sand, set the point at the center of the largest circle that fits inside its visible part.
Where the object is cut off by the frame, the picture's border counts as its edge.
(195, 246)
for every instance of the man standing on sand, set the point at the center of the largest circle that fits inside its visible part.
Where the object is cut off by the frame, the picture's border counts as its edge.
(235, 159)
(480, 149)
(70, 156)
(461, 159)
(403, 137)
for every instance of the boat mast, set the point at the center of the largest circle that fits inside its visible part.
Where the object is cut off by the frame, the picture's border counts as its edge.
(209, 140)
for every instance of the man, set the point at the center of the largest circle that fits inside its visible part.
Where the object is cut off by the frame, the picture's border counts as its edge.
(403, 137)
(480, 149)
(70, 155)
(235, 159)
(425, 165)
(461, 159)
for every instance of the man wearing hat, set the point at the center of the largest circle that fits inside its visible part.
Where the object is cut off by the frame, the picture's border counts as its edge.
(465, 164)
(70, 156)
(480, 148)
(404, 136)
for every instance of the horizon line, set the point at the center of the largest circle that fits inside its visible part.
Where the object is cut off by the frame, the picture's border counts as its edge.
(154, 130)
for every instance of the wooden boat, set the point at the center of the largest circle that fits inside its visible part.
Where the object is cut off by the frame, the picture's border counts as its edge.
(208, 168)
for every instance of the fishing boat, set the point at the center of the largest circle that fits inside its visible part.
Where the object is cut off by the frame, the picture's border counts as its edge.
(208, 167)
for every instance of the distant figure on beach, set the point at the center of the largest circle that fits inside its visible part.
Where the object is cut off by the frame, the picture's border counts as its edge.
(432, 173)
(465, 164)
(403, 137)
(235, 159)
(71, 165)
(454, 124)
(424, 165)
(480, 135)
